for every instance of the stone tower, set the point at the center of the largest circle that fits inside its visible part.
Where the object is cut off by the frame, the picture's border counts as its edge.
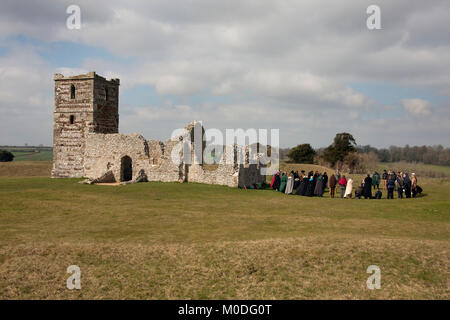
(84, 104)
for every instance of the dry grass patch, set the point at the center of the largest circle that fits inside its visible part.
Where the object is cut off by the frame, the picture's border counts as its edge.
(25, 169)
(306, 268)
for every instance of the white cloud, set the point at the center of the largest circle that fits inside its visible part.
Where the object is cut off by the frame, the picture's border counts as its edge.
(26, 102)
(283, 63)
(417, 107)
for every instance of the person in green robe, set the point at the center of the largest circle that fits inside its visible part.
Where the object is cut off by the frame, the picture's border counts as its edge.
(283, 184)
(376, 180)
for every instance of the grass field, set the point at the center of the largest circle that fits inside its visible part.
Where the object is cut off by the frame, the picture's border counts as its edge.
(194, 241)
(420, 169)
(30, 153)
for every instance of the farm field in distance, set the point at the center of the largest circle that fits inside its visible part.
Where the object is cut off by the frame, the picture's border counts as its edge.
(193, 241)
(30, 153)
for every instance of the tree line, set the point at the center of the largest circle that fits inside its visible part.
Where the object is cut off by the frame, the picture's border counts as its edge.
(345, 153)
(437, 155)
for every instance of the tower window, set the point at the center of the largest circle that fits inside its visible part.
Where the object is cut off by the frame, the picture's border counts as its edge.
(72, 91)
(106, 94)
(72, 119)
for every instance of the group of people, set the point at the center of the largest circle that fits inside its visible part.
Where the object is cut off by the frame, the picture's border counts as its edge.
(315, 183)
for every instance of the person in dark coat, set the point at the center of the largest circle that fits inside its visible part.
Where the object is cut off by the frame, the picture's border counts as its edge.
(302, 185)
(379, 194)
(325, 180)
(301, 190)
(390, 187)
(297, 180)
(310, 187)
(407, 185)
(384, 177)
(318, 189)
(277, 182)
(367, 192)
(400, 185)
(332, 185)
(305, 190)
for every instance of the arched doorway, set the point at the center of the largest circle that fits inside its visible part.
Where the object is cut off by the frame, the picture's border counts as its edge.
(126, 169)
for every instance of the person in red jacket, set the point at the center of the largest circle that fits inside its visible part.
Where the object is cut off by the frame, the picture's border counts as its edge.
(343, 184)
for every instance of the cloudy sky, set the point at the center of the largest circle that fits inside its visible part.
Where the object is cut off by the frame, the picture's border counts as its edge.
(310, 68)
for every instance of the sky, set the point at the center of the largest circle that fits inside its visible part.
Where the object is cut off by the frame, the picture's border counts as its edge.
(308, 68)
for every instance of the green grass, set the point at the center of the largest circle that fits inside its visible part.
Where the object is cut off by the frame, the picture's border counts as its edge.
(33, 156)
(30, 154)
(170, 240)
(425, 170)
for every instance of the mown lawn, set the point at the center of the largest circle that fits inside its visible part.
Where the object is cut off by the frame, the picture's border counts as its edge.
(187, 241)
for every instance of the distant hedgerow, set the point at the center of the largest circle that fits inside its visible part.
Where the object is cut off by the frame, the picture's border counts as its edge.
(6, 156)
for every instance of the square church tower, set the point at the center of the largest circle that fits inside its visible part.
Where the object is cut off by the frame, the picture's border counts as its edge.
(84, 104)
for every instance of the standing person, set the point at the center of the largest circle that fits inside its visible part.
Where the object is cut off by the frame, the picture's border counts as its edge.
(400, 185)
(349, 189)
(343, 184)
(407, 185)
(310, 186)
(273, 179)
(394, 176)
(332, 185)
(338, 175)
(277, 182)
(414, 184)
(315, 177)
(376, 180)
(318, 190)
(367, 192)
(296, 180)
(283, 183)
(290, 184)
(325, 180)
(384, 177)
(390, 187)
(301, 190)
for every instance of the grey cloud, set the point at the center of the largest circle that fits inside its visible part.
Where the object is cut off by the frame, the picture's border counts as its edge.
(294, 57)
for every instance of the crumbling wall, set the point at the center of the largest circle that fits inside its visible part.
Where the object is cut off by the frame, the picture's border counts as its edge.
(229, 172)
(162, 168)
(104, 152)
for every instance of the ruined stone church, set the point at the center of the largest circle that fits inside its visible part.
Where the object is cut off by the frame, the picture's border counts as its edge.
(87, 142)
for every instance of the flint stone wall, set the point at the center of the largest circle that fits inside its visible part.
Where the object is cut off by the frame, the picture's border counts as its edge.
(104, 153)
(94, 108)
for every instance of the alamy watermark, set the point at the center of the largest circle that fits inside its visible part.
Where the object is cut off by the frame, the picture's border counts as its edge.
(73, 21)
(373, 22)
(74, 281)
(251, 146)
(374, 281)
